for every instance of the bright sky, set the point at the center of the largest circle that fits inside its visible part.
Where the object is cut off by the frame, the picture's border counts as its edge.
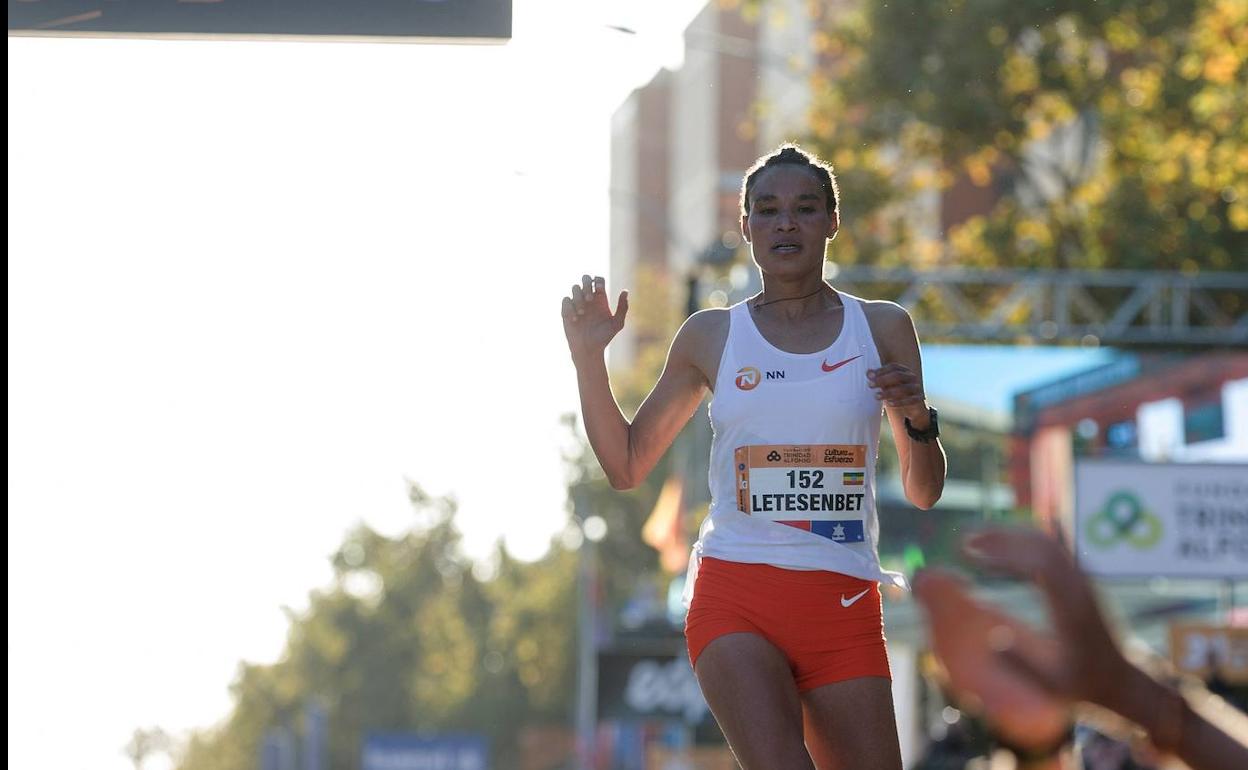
(988, 376)
(252, 287)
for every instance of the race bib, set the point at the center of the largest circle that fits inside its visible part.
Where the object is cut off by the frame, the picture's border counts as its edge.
(816, 487)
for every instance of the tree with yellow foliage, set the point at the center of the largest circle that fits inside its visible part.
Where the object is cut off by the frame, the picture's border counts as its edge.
(1111, 135)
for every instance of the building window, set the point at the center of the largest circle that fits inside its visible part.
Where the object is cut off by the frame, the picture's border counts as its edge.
(1203, 422)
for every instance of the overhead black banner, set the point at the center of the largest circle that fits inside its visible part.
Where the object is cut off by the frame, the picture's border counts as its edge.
(458, 20)
(634, 685)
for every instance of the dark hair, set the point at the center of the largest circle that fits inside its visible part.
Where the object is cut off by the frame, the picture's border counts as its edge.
(791, 154)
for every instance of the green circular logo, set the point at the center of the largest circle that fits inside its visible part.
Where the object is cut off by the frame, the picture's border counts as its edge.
(1123, 519)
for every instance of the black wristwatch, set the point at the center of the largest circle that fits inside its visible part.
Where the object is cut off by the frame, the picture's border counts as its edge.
(925, 436)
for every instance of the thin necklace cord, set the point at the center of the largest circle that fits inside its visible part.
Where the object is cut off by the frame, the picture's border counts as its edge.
(782, 299)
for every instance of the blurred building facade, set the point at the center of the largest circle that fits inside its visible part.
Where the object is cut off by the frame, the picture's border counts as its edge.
(681, 143)
(641, 239)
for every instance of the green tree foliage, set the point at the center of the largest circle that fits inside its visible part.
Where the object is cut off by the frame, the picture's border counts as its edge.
(406, 638)
(1144, 96)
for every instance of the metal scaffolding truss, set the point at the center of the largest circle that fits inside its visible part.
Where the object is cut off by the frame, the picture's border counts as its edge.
(1112, 307)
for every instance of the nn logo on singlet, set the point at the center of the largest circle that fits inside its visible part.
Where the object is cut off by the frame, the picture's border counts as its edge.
(748, 377)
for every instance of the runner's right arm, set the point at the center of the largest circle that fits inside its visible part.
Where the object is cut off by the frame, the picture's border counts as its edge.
(629, 451)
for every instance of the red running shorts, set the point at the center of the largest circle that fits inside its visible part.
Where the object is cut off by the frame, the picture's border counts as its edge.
(830, 626)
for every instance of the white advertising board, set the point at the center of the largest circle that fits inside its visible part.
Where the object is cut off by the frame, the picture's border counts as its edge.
(1136, 519)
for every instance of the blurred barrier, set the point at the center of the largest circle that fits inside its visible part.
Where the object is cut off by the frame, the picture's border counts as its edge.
(1205, 650)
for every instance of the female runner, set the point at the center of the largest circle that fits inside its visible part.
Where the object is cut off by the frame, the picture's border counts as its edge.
(785, 627)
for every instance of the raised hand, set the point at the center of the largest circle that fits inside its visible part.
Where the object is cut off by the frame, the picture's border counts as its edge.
(588, 321)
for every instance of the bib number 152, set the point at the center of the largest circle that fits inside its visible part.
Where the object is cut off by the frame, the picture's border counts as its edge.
(805, 479)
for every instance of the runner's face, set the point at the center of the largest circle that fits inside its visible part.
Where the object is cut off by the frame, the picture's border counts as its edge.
(788, 226)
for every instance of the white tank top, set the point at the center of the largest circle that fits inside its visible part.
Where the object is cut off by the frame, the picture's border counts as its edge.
(793, 454)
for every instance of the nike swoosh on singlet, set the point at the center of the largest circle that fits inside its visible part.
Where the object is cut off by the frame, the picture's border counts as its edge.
(846, 602)
(833, 367)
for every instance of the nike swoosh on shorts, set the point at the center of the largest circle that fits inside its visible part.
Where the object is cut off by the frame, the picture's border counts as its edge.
(846, 602)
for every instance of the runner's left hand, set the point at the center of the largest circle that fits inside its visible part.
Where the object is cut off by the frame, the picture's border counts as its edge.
(899, 387)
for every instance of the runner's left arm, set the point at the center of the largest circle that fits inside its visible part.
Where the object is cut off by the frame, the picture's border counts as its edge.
(898, 384)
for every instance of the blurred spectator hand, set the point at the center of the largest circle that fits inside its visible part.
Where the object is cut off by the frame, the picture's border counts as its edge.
(1084, 662)
(968, 636)
(1027, 680)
